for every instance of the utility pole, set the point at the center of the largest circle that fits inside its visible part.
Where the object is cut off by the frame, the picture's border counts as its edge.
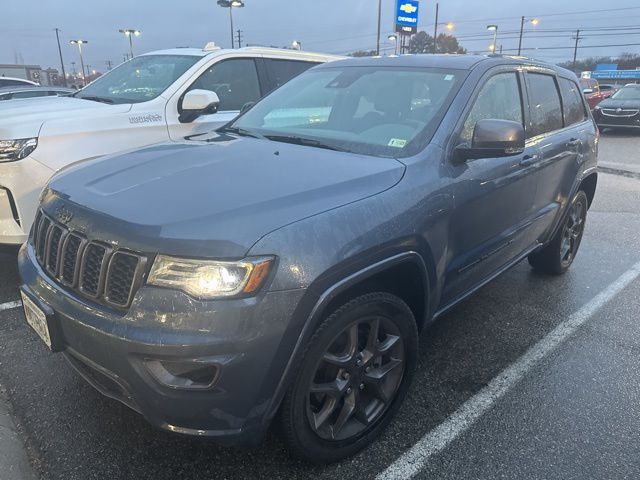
(435, 32)
(521, 32)
(575, 49)
(109, 64)
(379, 26)
(64, 75)
(239, 38)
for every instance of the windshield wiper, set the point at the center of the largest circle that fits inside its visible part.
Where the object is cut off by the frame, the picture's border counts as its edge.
(241, 131)
(97, 99)
(308, 142)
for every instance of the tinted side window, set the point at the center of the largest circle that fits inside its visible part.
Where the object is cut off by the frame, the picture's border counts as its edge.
(281, 71)
(572, 102)
(544, 101)
(235, 81)
(499, 99)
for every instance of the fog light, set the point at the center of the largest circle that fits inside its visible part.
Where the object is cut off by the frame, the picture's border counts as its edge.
(185, 375)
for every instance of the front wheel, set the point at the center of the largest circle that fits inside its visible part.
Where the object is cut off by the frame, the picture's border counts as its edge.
(352, 378)
(556, 257)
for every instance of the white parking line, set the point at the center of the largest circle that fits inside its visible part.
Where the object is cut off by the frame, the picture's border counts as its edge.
(10, 305)
(410, 463)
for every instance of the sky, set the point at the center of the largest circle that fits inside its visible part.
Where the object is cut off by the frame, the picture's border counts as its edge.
(333, 26)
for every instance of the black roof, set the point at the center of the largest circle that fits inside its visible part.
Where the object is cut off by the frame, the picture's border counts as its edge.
(453, 61)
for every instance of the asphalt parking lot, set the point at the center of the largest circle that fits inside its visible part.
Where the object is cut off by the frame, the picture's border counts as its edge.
(532, 377)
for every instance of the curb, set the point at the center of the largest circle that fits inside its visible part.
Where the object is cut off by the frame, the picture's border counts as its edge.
(14, 461)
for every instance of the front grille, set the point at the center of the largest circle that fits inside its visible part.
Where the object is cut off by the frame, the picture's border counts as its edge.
(614, 112)
(87, 266)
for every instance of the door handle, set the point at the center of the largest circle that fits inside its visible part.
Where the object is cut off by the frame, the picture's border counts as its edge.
(529, 159)
(574, 142)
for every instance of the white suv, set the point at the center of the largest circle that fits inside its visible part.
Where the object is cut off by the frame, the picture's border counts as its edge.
(153, 98)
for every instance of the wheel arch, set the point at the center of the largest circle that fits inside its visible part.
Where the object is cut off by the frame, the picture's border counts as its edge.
(588, 185)
(375, 276)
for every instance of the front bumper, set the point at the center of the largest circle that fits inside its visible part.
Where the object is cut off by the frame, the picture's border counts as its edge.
(616, 121)
(127, 356)
(20, 185)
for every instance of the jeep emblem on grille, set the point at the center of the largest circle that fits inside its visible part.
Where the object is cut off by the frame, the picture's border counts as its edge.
(63, 215)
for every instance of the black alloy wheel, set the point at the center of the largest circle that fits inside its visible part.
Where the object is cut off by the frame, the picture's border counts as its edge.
(556, 257)
(352, 379)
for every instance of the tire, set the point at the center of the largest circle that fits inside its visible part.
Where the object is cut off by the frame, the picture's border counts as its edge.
(341, 364)
(558, 255)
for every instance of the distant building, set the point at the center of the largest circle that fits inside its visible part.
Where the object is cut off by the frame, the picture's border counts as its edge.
(26, 72)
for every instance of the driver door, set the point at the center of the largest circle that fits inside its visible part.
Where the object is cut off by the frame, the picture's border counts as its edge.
(235, 81)
(494, 197)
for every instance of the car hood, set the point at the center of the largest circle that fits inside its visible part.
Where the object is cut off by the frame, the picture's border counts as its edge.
(613, 103)
(213, 200)
(24, 118)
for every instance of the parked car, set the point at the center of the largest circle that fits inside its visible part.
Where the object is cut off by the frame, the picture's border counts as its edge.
(608, 90)
(622, 110)
(15, 93)
(15, 82)
(591, 90)
(285, 264)
(150, 99)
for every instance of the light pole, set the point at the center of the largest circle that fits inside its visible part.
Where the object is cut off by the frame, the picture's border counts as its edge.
(394, 39)
(494, 29)
(534, 22)
(379, 23)
(297, 45)
(79, 44)
(130, 32)
(231, 4)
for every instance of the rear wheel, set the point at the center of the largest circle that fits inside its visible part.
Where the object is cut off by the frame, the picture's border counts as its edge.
(352, 379)
(556, 257)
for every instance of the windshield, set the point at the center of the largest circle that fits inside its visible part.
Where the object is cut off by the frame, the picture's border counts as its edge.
(138, 80)
(373, 110)
(627, 93)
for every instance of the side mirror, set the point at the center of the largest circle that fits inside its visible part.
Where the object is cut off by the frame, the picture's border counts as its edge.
(493, 139)
(198, 102)
(587, 91)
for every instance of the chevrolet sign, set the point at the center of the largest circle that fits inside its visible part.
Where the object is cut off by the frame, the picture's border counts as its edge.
(407, 16)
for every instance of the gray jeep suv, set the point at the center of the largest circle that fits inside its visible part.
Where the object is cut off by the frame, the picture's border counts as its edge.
(284, 265)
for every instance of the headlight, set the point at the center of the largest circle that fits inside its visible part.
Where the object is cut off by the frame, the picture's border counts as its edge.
(207, 279)
(11, 150)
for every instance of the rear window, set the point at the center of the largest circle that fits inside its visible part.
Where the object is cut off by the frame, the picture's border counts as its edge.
(281, 71)
(544, 103)
(574, 111)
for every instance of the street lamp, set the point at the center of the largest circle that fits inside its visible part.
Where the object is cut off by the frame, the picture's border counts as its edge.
(533, 21)
(130, 32)
(79, 44)
(297, 45)
(231, 4)
(494, 29)
(394, 39)
(448, 25)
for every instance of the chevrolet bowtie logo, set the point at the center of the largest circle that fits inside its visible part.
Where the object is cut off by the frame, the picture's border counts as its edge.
(408, 8)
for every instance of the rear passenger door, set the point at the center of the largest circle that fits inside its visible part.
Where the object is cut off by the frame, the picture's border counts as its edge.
(490, 225)
(279, 71)
(557, 127)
